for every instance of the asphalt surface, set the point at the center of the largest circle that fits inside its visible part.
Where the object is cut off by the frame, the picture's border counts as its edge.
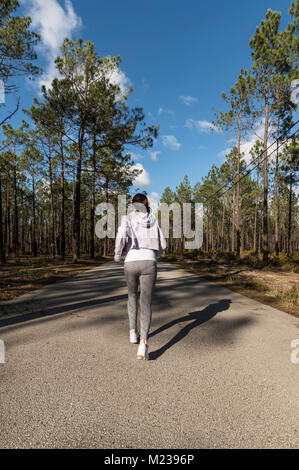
(220, 373)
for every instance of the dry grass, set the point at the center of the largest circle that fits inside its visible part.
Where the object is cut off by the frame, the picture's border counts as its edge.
(22, 275)
(276, 284)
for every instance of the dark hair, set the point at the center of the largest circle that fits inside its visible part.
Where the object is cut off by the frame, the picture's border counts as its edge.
(141, 199)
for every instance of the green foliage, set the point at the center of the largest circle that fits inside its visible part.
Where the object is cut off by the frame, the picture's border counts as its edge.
(17, 43)
(184, 191)
(251, 258)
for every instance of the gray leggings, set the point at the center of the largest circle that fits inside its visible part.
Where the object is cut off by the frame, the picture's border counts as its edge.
(145, 272)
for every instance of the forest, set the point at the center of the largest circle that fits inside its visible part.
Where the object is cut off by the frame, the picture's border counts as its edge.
(251, 201)
(70, 152)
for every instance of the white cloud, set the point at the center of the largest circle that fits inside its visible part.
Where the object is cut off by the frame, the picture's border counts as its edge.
(143, 180)
(118, 77)
(54, 23)
(136, 156)
(154, 155)
(248, 143)
(145, 84)
(200, 126)
(171, 142)
(223, 153)
(187, 100)
(166, 111)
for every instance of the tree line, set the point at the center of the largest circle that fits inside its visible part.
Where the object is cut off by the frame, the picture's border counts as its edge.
(255, 209)
(69, 153)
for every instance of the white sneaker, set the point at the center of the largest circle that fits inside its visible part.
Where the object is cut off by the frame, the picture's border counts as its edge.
(134, 337)
(142, 352)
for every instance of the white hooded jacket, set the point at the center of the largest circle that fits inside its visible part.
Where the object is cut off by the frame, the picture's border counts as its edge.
(139, 230)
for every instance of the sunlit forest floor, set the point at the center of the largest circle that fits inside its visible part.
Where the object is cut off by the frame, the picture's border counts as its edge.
(276, 284)
(21, 275)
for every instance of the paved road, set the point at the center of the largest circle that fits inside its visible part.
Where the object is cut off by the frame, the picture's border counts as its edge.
(219, 375)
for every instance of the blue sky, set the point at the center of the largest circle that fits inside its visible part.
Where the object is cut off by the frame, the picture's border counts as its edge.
(178, 56)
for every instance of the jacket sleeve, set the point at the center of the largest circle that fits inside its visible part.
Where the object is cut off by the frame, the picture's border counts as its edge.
(120, 239)
(162, 240)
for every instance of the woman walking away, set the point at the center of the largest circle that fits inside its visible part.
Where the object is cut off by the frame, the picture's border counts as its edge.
(144, 238)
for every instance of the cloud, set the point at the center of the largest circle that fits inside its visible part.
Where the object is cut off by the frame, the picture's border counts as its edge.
(200, 126)
(145, 84)
(154, 155)
(166, 111)
(223, 153)
(187, 100)
(170, 141)
(54, 23)
(136, 156)
(249, 141)
(143, 180)
(118, 77)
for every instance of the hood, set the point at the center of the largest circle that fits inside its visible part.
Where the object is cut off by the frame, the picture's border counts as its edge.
(141, 219)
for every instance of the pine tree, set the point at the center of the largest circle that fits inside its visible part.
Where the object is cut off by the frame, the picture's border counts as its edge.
(270, 60)
(238, 120)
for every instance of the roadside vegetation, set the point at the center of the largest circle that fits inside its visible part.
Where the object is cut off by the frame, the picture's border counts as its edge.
(276, 284)
(19, 276)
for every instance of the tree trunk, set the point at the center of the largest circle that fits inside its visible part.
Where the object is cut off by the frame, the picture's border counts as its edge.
(233, 222)
(22, 247)
(207, 231)
(2, 253)
(92, 208)
(265, 198)
(256, 245)
(238, 186)
(8, 219)
(62, 216)
(16, 215)
(212, 228)
(76, 221)
(33, 241)
(107, 200)
(53, 237)
(276, 215)
(289, 249)
(223, 219)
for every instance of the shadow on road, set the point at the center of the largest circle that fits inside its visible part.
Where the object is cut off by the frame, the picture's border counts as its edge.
(81, 293)
(61, 309)
(199, 317)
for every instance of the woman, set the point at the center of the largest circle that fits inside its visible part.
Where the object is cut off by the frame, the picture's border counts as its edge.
(145, 240)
